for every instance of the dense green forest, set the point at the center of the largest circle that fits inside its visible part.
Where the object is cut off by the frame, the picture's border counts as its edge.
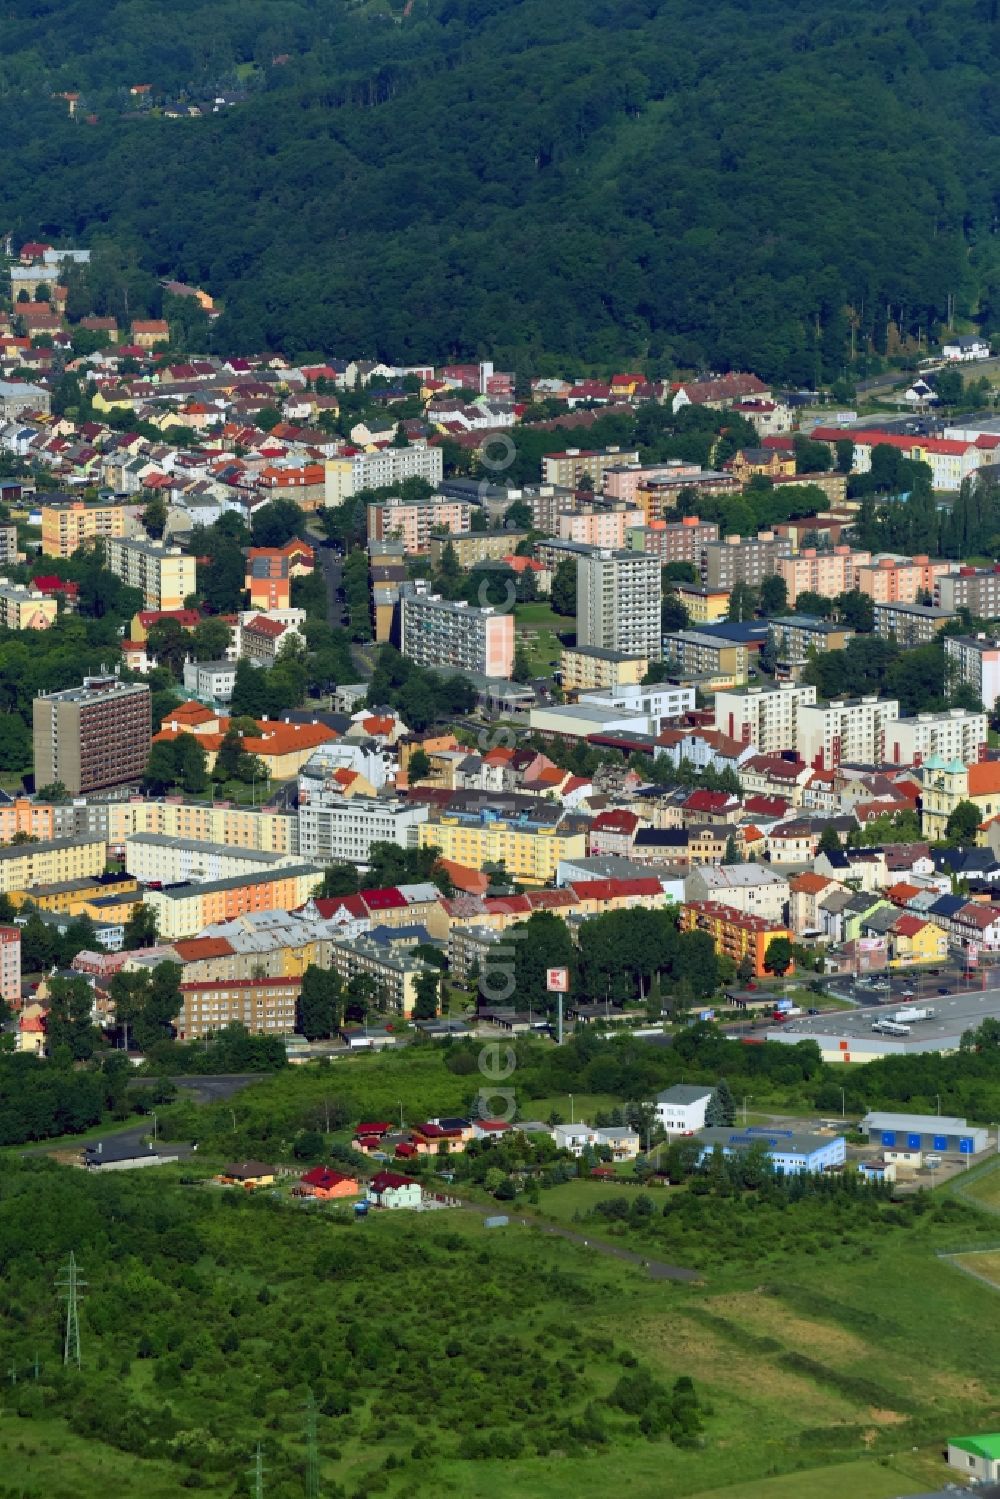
(544, 181)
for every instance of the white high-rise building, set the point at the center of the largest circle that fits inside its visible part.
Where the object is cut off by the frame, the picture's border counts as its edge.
(957, 734)
(767, 717)
(618, 602)
(346, 476)
(848, 731)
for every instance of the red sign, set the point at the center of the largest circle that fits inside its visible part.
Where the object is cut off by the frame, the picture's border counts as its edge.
(557, 980)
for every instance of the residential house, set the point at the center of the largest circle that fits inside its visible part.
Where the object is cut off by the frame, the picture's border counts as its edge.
(681, 1109)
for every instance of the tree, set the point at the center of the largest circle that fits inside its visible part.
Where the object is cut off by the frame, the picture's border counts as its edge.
(845, 455)
(320, 1005)
(518, 517)
(563, 594)
(964, 823)
(721, 1107)
(742, 602)
(426, 988)
(210, 640)
(170, 643)
(15, 743)
(418, 766)
(69, 1019)
(52, 791)
(773, 595)
(745, 970)
(829, 840)
(731, 855)
(154, 517)
(338, 879)
(275, 523)
(521, 671)
(161, 768)
(141, 928)
(778, 957)
(856, 609)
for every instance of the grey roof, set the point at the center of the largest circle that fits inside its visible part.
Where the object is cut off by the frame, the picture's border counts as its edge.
(684, 1093)
(235, 882)
(928, 1124)
(783, 1142)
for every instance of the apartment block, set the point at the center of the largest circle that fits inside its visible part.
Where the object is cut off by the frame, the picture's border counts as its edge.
(659, 498)
(950, 461)
(847, 731)
(910, 624)
(753, 889)
(341, 829)
(956, 735)
(705, 606)
(392, 970)
(975, 660)
(451, 634)
(735, 934)
(346, 476)
(735, 560)
(681, 540)
(164, 575)
(972, 588)
(796, 634)
(413, 522)
(529, 843)
(186, 910)
(900, 580)
(264, 1006)
(624, 481)
(619, 597)
(50, 863)
(763, 716)
(825, 573)
(25, 608)
(93, 736)
(724, 662)
(568, 468)
(598, 526)
(589, 668)
(8, 546)
(155, 858)
(473, 547)
(68, 525)
(10, 965)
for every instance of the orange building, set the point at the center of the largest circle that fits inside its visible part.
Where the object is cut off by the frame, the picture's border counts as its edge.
(185, 910)
(734, 934)
(270, 571)
(899, 580)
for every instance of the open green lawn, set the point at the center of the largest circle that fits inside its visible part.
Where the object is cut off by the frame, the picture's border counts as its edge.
(48, 1461)
(869, 1478)
(540, 615)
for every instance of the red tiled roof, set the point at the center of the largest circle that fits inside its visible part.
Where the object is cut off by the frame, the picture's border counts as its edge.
(908, 926)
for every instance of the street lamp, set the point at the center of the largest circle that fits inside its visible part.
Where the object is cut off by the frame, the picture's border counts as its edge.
(571, 1116)
(747, 1097)
(843, 1105)
(938, 1097)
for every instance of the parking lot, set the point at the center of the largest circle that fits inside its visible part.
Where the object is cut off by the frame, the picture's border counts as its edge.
(954, 1013)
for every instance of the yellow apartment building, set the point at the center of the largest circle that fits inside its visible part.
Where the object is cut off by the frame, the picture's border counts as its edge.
(68, 524)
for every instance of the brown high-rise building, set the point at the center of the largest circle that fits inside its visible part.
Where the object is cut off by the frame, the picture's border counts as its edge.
(94, 736)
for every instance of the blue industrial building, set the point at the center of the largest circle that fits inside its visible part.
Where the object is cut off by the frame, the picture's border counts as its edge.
(791, 1152)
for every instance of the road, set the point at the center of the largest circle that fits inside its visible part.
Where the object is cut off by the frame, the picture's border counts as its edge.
(333, 571)
(658, 1269)
(953, 1014)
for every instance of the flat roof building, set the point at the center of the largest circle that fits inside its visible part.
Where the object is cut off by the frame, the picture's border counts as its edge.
(93, 736)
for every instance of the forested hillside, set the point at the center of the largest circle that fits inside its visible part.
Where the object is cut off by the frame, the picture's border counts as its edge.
(574, 178)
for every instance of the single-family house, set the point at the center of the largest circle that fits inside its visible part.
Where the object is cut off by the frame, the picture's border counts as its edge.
(387, 1189)
(249, 1174)
(680, 1110)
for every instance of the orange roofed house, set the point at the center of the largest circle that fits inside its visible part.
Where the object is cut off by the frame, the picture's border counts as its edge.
(283, 747)
(147, 333)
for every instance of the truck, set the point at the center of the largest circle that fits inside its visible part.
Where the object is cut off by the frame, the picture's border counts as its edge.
(910, 1014)
(786, 1010)
(890, 1028)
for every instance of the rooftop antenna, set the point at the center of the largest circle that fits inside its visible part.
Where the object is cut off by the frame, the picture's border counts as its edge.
(69, 1286)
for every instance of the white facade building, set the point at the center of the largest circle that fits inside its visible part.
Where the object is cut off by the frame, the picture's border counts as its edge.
(681, 1109)
(955, 735)
(334, 829)
(767, 717)
(976, 662)
(846, 731)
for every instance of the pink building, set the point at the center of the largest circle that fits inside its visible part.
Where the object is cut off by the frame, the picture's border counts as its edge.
(676, 541)
(599, 528)
(10, 964)
(899, 580)
(624, 483)
(825, 573)
(412, 523)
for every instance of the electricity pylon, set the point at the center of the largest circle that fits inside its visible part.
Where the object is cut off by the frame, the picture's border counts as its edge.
(70, 1287)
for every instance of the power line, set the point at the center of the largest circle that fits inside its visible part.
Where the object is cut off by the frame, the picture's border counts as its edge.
(312, 1449)
(70, 1286)
(257, 1473)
